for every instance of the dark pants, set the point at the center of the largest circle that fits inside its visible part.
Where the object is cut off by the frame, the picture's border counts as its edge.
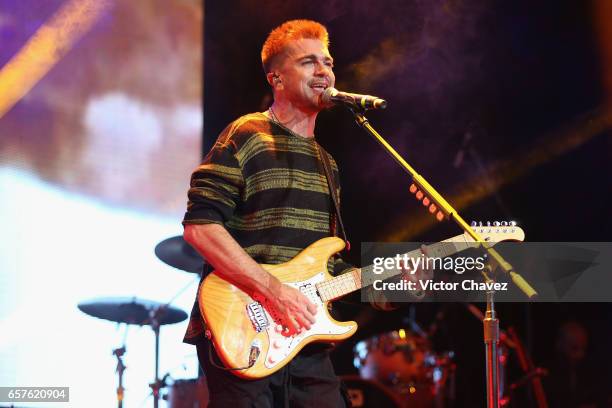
(307, 381)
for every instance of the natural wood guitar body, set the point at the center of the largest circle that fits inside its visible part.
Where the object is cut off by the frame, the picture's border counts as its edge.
(224, 308)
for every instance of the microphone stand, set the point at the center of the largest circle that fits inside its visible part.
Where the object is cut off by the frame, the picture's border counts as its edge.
(442, 209)
(491, 339)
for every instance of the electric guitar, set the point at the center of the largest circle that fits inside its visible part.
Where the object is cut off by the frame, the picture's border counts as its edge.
(248, 341)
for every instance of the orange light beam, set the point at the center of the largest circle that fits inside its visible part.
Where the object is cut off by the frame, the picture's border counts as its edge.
(505, 171)
(49, 44)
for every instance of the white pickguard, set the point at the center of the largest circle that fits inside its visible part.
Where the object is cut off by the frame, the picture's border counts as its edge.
(282, 346)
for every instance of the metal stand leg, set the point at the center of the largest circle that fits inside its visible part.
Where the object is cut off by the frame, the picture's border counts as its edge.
(159, 382)
(120, 368)
(491, 339)
(157, 385)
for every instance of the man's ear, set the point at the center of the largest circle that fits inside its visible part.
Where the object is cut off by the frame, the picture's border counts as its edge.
(274, 80)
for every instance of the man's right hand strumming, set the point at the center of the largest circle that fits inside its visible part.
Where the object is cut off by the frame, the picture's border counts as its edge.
(288, 307)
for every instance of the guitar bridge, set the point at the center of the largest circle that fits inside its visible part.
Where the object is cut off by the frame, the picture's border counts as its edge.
(257, 315)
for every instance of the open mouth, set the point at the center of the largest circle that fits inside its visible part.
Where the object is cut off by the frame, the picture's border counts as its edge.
(320, 87)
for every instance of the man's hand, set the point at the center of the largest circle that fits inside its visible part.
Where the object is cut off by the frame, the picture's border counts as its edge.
(422, 273)
(291, 309)
(288, 306)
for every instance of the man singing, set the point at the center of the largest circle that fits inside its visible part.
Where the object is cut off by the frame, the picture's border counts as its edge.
(261, 196)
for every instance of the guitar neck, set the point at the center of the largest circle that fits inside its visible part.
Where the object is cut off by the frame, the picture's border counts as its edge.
(363, 277)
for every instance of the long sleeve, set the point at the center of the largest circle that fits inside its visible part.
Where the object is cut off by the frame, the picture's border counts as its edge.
(215, 187)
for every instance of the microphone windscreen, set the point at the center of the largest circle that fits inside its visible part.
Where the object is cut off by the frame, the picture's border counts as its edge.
(325, 98)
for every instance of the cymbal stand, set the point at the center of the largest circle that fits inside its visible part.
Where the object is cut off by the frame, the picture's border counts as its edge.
(414, 325)
(119, 352)
(531, 372)
(154, 320)
(158, 384)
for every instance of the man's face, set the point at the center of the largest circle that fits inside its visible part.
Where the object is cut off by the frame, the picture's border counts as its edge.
(306, 70)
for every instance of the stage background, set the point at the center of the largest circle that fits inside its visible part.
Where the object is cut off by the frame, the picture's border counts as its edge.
(94, 166)
(502, 106)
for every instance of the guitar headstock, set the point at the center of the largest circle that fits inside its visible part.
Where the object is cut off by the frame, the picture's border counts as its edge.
(498, 231)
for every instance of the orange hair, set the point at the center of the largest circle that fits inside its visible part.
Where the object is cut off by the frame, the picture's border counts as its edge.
(290, 31)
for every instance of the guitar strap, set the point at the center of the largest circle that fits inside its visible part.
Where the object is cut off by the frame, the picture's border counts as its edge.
(333, 191)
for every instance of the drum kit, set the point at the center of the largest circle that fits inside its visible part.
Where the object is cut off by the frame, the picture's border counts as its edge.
(396, 369)
(133, 311)
(400, 369)
(402, 365)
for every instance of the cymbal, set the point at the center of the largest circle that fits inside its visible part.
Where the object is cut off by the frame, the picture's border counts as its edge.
(179, 254)
(131, 310)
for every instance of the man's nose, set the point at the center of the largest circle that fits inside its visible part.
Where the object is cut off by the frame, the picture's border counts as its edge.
(322, 69)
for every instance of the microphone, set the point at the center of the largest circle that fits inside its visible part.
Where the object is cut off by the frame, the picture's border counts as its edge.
(332, 96)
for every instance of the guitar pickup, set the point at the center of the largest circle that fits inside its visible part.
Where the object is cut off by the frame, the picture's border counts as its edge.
(257, 315)
(306, 290)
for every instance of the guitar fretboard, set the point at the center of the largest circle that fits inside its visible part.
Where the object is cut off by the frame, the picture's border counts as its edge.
(363, 277)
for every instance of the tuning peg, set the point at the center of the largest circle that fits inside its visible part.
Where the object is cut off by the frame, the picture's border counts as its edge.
(432, 208)
(504, 223)
(496, 223)
(512, 223)
(413, 188)
(426, 201)
(419, 195)
(473, 223)
(480, 223)
(439, 215)
(488, 223)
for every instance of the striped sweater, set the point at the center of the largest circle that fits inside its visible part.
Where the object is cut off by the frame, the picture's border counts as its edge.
(267, 187)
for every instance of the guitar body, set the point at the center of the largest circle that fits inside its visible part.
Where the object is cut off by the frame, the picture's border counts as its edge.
(244, 331)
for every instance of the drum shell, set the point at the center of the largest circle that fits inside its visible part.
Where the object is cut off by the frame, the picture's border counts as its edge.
(188, 393)
(395, 357)
(405, 363)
